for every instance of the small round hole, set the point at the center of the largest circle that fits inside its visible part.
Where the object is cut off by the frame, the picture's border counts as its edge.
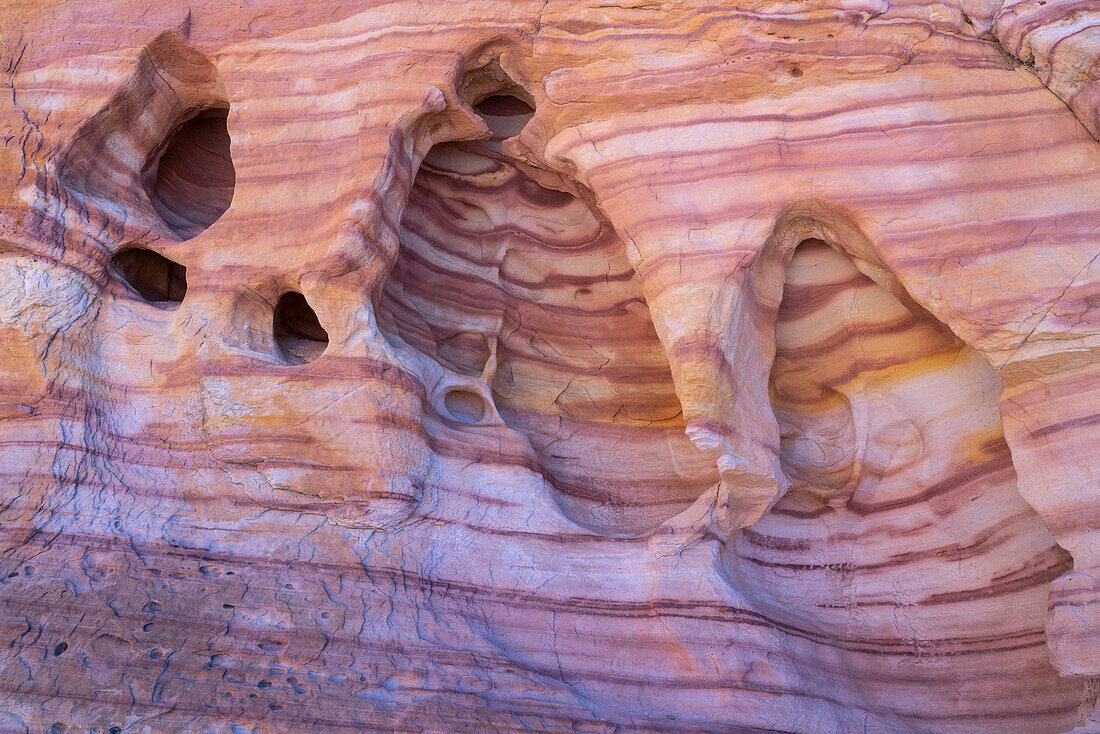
(796, 71)
(152, 276)
(465, 405)
(298, 333)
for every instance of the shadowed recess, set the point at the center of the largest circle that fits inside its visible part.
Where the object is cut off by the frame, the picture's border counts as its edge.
(298, 334)
(152, 276)
(159, 149)
(465, 406)
(523, 284)
(190, 179)
(506, 115)
(891, 429)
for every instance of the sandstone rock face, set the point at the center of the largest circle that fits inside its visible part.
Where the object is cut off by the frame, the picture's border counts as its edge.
(552, 366)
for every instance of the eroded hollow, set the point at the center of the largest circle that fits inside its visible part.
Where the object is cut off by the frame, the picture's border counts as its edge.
(519, 279)
(903, 518)
(158, 150)
(506, 115)
(298, 334)
(465, 406)
(158, 280)
(190, 178)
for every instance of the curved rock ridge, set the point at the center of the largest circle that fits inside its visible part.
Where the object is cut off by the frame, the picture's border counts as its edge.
(551, 366)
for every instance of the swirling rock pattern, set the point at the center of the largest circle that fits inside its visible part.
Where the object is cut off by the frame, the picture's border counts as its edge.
(552, 366)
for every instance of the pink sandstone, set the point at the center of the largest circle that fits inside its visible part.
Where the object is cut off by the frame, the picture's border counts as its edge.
(553, 366)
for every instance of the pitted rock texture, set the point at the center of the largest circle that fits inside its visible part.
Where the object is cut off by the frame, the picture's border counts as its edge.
(550, 366)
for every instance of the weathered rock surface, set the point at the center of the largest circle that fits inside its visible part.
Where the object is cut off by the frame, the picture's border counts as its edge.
(553, 366)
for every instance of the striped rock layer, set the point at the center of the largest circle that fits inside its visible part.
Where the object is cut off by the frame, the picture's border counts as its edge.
(551, 366)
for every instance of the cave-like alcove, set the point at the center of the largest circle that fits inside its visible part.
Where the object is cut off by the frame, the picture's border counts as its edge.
(298, 333)
(190, 179)
(903, 492)
(524, 284)
(506, 115)
(152, 276)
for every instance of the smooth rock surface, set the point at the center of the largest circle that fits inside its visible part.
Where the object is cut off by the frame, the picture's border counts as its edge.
(552, 366)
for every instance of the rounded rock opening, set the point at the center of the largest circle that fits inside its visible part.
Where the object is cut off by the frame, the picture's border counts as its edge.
(190, 180)
(152, 276)
(298, 334)
(465, 406)
(506, 115)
